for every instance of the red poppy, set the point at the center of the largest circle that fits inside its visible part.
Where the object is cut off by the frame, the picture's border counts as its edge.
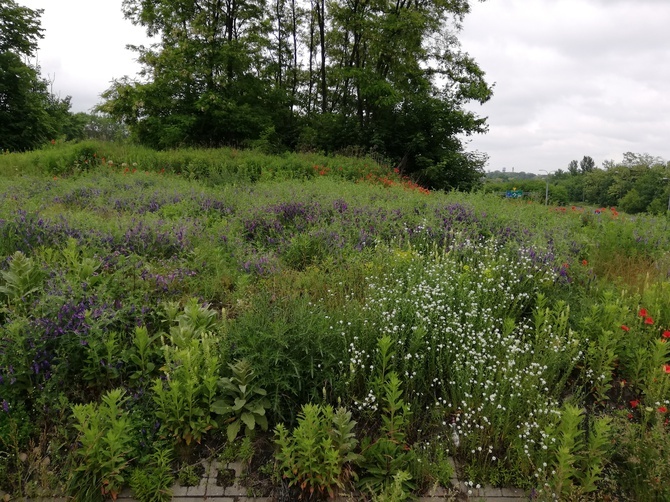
(642, 313)
(666, 334)
(585, 263)
(666, 367)
(662, 409)
(648, 320)
(634, 403)
(630, 416)
(625, 328)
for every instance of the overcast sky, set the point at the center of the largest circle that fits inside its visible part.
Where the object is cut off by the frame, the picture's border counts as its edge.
(572, 77)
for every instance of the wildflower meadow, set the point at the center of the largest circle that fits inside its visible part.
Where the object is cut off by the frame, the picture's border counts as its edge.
(326, 321)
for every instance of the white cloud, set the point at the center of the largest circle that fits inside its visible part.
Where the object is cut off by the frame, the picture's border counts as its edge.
(573, 78)
(83, 49)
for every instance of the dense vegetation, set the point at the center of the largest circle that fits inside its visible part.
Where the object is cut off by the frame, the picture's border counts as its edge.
(327, 321)
(383, 77)
(638, 183)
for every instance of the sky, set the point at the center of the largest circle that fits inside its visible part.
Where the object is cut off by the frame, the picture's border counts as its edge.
(571, 77)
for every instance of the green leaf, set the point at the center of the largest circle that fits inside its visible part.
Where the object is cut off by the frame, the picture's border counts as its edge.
(262, 421)
(249, 420)
(233, 430)
(220, 407)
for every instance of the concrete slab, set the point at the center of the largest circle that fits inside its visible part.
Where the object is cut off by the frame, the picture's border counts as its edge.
(513, 492)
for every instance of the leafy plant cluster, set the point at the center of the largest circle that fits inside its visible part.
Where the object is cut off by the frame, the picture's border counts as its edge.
(339, 337)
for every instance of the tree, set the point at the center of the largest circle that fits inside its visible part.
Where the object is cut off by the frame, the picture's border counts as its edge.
(586, 165)
(344, 75)
(29, 114)
(573, 168)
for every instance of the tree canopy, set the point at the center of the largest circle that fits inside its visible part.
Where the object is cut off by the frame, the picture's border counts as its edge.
(379, 76)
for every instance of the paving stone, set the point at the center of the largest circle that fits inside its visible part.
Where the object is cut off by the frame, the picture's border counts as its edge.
(213, 490)
(513, 492)
(492, 491)
(235, 491)
(437, 491)
(199, 490)
(179, 491)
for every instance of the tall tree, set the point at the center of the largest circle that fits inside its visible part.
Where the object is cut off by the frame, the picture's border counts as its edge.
(573, 167)
(586, 165)
(384, 76)
(30, 114)
(204, 80)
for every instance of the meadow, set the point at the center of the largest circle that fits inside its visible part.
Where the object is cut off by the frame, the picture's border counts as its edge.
(326, 321)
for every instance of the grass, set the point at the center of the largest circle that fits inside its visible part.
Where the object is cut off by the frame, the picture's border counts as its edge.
(527, 342)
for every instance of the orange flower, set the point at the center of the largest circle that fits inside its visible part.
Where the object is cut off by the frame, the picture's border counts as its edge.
(585, 263)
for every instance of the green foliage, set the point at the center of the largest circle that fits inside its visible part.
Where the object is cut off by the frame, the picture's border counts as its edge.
(576, 453)
(396, 491)
(641, 456)
(638, 183)
(243, 402)
(241, 449)
(218, 80)
(153, 482)
(101, 463)
(143, 354)
(22, 279)
(388, 455)
(185, 394)
(318, 455)
(189, 475)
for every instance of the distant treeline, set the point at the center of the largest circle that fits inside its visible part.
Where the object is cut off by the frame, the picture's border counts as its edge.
(638, 183)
